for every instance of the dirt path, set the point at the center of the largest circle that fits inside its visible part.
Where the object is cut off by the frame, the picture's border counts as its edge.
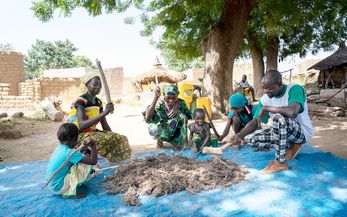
(40, 136)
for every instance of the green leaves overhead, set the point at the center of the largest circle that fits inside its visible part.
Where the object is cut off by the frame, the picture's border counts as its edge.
(44, 10)
(301, 25)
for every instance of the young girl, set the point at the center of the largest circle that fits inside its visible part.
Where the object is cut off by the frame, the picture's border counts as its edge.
(88, 111)
(240, 115)
(77, 170)
(200, 135)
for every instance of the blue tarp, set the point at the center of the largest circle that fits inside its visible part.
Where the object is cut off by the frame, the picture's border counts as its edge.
(315, 185)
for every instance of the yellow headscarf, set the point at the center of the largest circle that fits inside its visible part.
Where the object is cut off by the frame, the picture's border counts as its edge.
(88, 76)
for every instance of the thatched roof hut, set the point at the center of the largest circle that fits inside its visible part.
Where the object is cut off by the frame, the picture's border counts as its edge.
(158, 74)
(333, 69)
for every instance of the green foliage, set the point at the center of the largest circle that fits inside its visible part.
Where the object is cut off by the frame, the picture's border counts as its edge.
(301, 25)
(44, 9)
(47, 55)
(181, 65)
(6, 47)
(185, 24)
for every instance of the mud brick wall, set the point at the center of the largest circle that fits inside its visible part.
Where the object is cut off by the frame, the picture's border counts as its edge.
(5, 89)
(14, 103)
(30, 88)
(11, 70)
(114, 77)
(54, 86)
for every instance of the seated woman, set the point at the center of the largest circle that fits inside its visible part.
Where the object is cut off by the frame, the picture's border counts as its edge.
(88, 111)
(167, 118)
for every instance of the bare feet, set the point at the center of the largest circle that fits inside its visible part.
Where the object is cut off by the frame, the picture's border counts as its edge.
(274, 167)
(77, 196)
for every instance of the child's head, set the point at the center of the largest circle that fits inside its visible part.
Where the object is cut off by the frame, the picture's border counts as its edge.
(68, 133)
(199, 116)
(237, 102)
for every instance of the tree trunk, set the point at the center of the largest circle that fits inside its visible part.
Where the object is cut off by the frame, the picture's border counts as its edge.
(257, 63)
(272, 54)
(220, 49)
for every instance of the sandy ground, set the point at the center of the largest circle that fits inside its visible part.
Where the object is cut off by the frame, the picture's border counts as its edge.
(40, 136)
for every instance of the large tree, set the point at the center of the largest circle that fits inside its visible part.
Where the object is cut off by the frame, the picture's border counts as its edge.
(213, 29)
(52, 55)
(295, 27)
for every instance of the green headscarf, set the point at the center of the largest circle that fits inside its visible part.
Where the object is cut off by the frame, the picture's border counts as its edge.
(171, 89)
(238, 100)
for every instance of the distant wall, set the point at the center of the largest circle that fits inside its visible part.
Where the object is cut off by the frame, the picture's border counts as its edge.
(32, 91)
(54, 86)
(5, 89)
(30, 88)
(115, 78)
(40, 88)
(11, 70)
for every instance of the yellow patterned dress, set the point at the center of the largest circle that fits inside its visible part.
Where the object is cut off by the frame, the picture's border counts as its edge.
(113, 146)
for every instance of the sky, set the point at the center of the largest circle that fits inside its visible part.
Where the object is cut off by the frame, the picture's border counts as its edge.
(105, 37)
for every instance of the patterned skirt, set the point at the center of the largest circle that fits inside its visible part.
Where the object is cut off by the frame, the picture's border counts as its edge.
(113, 146)
(173, 130)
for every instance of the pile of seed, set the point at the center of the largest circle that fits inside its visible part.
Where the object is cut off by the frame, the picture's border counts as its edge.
(164, 174)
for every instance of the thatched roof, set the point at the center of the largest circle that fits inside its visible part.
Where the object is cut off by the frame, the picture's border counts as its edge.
(336, 59)
(158, 73)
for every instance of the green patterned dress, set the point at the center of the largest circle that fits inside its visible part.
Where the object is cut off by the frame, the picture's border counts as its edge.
(172, 130)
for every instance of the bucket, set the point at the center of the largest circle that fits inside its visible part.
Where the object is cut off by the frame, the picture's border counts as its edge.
(204, 101)
(186, 93)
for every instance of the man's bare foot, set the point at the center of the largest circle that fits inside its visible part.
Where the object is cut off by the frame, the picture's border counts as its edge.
(77, 196)
(274, 167)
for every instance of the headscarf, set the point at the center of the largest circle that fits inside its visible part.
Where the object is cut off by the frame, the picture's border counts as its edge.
(238, 100)
(171, 89)
(88, 76)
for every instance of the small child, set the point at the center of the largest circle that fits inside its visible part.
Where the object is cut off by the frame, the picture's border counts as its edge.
(200, 135)
(77, 170)
(240, 115)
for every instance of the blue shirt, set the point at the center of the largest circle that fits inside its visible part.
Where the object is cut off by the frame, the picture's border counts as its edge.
(59, 155)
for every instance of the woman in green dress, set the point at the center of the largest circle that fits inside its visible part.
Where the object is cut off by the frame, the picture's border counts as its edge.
(168, 118)
(88, 111)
